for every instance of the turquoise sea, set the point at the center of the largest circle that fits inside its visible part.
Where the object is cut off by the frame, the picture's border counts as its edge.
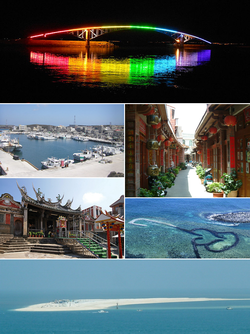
(200, 317)
(183, 228)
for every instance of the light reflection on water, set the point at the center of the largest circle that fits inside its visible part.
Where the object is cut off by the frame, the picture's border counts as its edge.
(102, 68)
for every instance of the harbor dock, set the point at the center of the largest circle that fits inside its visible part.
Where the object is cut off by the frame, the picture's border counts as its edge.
(89, 168)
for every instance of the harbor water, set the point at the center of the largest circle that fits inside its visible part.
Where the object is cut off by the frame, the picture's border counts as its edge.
(36, 151)
(185, 228)
(130, 75)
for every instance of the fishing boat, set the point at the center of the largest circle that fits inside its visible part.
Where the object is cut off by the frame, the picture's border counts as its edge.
(82, 156)
(102, 311)
(78, 156)
(51, 163)
(16, 145)
(87, 154)
(48, 137)
(83, 138)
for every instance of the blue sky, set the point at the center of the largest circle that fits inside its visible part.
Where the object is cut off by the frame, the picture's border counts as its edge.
(61, 114)
(126, 278)
(84, 191)
(189, 115)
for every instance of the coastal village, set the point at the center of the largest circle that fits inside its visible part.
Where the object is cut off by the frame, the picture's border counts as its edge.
(108, 140)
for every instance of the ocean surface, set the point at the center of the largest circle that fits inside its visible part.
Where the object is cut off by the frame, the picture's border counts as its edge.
(36, 151)
(184, 228)
(130, 74)
(199, 317)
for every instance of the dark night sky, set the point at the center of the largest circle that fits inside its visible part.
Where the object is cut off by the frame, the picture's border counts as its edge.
(223, 21)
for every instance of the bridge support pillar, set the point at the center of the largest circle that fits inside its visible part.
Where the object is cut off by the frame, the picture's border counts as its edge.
(87, 38)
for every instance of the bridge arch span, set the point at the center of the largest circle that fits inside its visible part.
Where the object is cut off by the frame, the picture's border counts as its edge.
(90, 33)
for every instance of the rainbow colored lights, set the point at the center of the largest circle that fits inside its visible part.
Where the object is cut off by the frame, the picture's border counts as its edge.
(173, 33)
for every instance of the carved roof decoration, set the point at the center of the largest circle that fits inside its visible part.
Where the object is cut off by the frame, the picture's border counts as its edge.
(7, 202)
(47, 204)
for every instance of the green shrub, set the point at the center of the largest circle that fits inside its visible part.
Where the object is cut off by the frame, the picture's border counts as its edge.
(215, 187)
(230, 182)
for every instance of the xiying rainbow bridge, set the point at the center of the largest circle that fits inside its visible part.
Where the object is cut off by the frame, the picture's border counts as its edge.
(90, 33)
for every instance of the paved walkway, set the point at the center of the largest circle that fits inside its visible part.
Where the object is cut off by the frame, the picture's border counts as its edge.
(89, 168)
(188, 184)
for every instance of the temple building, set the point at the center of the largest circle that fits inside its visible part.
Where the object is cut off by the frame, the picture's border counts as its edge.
(223, 142)
(33, 215)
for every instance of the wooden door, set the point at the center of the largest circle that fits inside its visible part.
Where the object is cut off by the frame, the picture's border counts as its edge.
(18, 228)
(243, 163)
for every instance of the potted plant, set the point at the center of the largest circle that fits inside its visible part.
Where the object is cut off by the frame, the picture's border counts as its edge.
(231, 184)
(215, 188)
(201, 173)
(166, 180)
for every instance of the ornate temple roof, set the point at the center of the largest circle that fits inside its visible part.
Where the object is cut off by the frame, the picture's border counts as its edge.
(47, 204)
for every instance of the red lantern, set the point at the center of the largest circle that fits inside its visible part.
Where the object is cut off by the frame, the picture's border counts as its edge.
(171, 139)
(167, 143)
(157, 126)
(230, 120)
(160, 138)
(204, 138)
(199, 152)
(213, 130)
(177, 150)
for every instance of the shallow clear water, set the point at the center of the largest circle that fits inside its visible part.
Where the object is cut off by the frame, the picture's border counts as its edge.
(177, 228)
(155, 318)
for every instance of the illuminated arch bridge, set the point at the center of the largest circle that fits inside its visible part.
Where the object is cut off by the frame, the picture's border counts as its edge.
(91, 33)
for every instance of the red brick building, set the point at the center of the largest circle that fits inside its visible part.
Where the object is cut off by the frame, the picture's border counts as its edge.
(11, 216)
(223, 142)
(150, 141)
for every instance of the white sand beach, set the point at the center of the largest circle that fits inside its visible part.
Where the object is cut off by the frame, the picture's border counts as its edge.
(99, 304)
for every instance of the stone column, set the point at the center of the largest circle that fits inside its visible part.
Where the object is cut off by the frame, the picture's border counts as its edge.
(25, 221)
(41, 221)
(80, 225)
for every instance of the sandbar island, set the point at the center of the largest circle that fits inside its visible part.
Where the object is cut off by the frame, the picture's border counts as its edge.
(99, 304)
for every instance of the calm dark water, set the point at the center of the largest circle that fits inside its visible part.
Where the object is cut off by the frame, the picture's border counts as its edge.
(124, 75)
(170, 228)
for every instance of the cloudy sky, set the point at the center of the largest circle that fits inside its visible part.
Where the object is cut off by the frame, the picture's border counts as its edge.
(84, 191)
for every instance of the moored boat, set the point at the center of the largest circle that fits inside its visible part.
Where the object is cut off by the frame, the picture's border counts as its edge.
(51, 163)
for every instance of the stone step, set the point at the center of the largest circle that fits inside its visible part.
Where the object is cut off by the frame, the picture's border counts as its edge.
(16, 244)
(14, 249)
(50, 248)
(51, 251)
